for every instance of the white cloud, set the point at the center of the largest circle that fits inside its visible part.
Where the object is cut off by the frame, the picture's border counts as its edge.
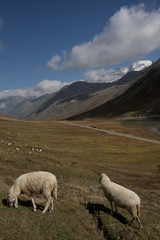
(40, 89)
(47, 86)
(104, 75)
(110, 75)
(140, 65)
(2, 105)
(130, 32)
(54, 62)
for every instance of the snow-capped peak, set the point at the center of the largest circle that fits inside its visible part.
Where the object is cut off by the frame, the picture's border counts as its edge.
(114, 74)
(140, 65)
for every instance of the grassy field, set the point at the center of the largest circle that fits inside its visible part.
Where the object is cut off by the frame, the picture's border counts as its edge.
(77, 156)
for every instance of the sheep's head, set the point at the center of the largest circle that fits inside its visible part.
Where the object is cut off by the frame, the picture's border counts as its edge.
(103, 178)
(11, 201)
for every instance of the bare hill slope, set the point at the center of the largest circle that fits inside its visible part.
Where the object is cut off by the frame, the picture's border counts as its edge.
(142, 98)
(80, 97)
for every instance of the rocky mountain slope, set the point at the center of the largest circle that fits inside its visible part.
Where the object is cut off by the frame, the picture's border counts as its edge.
(80, 97)
(76, 98)
(142, 98)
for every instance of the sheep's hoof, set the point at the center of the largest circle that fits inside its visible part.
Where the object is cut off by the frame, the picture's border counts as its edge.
(34, 210)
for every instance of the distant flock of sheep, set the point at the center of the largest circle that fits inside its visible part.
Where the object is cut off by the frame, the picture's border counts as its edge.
(46, 183)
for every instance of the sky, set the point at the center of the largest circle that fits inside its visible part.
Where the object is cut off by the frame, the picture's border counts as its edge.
(45, 45)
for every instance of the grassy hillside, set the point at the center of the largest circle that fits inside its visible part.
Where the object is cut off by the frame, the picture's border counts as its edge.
(76, 156)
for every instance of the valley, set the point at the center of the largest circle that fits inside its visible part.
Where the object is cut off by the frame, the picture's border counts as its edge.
(80, 99)
(77, 156)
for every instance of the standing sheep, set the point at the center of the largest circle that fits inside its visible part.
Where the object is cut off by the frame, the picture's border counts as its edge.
(34, 183)
(121, 197)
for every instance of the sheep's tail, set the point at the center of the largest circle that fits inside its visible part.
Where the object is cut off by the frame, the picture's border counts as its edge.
(54, 192)
(138, 210)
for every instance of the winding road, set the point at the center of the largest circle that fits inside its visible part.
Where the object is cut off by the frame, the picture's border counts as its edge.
(114, 133)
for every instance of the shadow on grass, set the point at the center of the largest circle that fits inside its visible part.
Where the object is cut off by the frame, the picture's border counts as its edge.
(110, 231)
(27, 204)
(95, 209)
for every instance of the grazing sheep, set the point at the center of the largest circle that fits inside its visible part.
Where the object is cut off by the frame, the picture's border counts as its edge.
(121, 197)
(34, 183)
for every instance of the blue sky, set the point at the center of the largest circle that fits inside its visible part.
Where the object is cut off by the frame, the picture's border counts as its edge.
(46, 44)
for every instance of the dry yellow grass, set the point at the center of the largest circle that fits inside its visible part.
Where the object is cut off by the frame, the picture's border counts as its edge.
(76, 156)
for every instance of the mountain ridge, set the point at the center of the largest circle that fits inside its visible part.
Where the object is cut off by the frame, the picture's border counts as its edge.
(141, 98)
(75, 98)
(79, 97)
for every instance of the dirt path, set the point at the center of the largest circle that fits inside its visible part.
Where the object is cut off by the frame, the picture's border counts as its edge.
(114, 133)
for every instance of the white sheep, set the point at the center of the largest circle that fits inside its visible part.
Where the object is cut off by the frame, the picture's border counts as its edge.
(34, 183)
(121, 197)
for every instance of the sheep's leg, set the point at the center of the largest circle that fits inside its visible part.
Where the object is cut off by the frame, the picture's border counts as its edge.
(139, 222)
(133, 214)
(111, 207)
(16, 203)
(49, 201)
(34, 205)
(116, 207)
(51, 206)
(138, 216)
(131, 221)
(135, 217)
(54, 193)
(46, 206)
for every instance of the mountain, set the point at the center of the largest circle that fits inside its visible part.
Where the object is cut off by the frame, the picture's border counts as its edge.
(19, 107)
(140, 65)
(111, 75)
(75, 98)
(80, 97)
(9, 103)
(141, 98)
